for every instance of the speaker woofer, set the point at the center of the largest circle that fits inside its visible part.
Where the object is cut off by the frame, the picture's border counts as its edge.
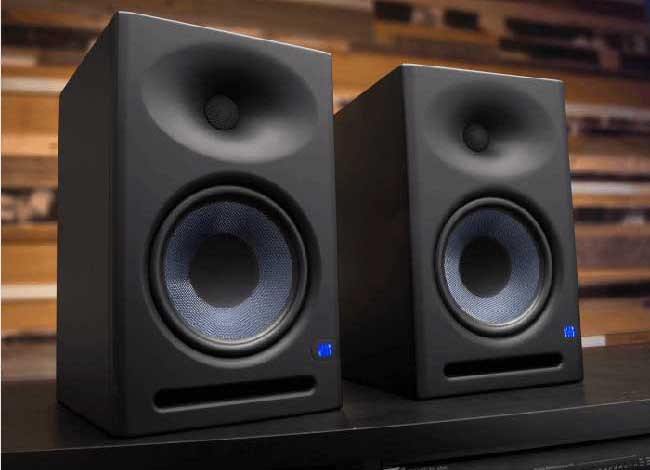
(228, 269)
(493, 266)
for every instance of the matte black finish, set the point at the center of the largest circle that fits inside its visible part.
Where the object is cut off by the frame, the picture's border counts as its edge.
(403, 167)
(373, 430)
(148, 147)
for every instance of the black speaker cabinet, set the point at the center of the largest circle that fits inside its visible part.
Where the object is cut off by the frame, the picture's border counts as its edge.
(457, 263)
(197, 278)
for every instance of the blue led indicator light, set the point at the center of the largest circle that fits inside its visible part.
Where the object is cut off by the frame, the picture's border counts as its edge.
(569, 331)
(325, 350)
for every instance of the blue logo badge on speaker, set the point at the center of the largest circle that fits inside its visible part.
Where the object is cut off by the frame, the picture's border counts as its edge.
(569, 331)
(324, 350)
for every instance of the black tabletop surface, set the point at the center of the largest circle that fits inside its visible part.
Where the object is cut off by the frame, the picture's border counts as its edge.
(372, 429)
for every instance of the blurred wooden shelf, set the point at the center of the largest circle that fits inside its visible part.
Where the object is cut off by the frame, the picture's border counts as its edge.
(61, 19)
(94, 15)
(639, 337)
(611, 201)
(29, 233)
(605, 316)
(631, 230)
(29, 172)
(615, 156)
(26, 144)
(621, 245)
(556, 14)
(28, 317)
(386, 31)
(609, 146)
(608, 275)
(29, 113)
(25, 263)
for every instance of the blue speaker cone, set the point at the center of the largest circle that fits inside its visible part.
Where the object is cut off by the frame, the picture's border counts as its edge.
(229, 270)
(494, 266)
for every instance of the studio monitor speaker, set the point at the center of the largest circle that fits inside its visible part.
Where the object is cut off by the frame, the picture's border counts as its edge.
(197, 278)
(457, 262)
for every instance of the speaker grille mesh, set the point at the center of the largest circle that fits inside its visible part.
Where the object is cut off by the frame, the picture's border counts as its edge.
(270, 297)
(523, 285)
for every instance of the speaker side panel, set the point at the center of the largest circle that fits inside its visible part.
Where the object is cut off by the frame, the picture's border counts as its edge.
(170, 151)
(372, 210)
(85, 374)
(526, 163)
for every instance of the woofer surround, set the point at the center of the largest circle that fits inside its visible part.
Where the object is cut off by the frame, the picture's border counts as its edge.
(493, 266)
(228, 271)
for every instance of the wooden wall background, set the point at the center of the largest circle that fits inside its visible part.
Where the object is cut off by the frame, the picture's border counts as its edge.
(600, 48)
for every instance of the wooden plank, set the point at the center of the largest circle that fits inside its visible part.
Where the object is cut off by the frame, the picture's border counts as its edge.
(29, 317)
(245, 10)
(63, 71)
(389, 30)
(630, 166)
(613, 316)
(15, 56)
(640, 337)
(358, 71)
(325, 45)
(29, 145)
(631, 11)
(611, 201)
(632, 231)
(611, 188)
(620, 245)
(542, 13)
(20, 292)
(28, 263)
(576, 111)
(29, 172)
(608, 275)
(313, 19)
(52, 86)
(40, 17)
(29, 233)
(609, 146)
(621, 156)
(30, 113)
